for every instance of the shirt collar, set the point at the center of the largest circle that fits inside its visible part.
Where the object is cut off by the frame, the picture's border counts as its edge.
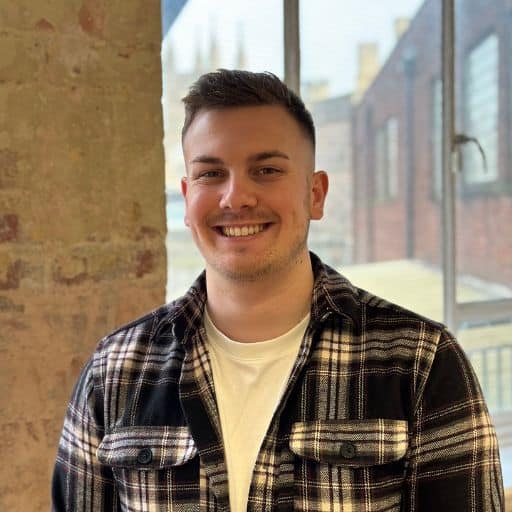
(332, 294)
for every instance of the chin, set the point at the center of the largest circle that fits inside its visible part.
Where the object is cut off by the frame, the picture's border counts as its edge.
(253, 271)
(243, 273)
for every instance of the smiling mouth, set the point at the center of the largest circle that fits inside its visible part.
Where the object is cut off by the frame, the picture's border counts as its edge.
(241, 231)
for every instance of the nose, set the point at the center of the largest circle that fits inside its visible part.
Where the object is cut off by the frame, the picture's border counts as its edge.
(238, 193)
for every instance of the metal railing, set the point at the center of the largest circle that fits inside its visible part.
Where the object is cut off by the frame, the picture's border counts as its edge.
(493, 366)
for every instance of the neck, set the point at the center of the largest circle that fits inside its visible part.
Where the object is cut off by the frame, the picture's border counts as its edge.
(251, 311)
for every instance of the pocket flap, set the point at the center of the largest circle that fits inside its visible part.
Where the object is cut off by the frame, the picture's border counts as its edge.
(147, 447)
(355, 443)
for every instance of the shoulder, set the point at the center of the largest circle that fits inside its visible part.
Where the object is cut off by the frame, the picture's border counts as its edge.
(134, 335)
(381, 312)
(369, 312)
(163, 330)
(386, 332)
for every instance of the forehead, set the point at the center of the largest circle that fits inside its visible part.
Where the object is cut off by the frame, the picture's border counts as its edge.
(265, 125)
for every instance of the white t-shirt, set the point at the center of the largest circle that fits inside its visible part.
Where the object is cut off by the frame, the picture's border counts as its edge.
(249, 380)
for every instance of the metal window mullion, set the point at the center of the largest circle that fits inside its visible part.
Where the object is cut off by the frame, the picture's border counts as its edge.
(291, 29)
(448, 181)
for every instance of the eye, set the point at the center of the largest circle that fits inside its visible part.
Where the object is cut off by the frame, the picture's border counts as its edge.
(212, 173)
(267, 171)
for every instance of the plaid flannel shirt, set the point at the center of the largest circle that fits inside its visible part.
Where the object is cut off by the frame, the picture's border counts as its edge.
(382, 412)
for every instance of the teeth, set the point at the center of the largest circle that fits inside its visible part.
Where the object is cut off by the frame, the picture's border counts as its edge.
(242, 231)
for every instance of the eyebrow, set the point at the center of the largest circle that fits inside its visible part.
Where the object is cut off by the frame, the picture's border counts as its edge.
(265, 155)
(257, 157)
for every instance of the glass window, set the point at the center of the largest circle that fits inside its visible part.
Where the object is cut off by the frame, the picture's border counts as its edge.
(356, 83)
(492, 363)
(482, 111)
(202, 36)
(386, 168)
(380, 164)
(484, 205)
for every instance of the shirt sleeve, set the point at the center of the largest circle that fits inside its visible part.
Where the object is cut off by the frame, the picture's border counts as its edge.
(80, 482)
(453, 456)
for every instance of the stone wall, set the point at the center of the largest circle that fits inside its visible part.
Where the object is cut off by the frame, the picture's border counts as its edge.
(82, 217)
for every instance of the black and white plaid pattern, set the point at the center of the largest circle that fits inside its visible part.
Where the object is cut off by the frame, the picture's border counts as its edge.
(356, 443)
(382, 412)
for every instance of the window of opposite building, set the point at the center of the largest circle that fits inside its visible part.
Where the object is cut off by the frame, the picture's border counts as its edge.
(387, 160)
(481, 111)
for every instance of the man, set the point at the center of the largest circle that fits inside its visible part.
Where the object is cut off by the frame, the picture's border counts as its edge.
(274, 384)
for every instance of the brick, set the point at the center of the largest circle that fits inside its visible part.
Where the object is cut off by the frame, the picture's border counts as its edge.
(131, 308)
(26, 16)
(44, 25)
(9, 169)
(96, 262)
(10, 273)
(16, 494)
(145, 263)
(21, 58)
(9, 227)
(70, 270)
(130, 23)
(138, 69)
(7, 305)
(91, 17)
(139, 123)
(23, 104)
(19, 216)
(87, 119)
(75, 59)
(21, 268)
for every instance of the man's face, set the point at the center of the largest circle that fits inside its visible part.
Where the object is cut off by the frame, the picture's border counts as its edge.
(250, 190)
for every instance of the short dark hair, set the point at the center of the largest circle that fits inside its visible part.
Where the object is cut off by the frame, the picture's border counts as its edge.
(227, 88)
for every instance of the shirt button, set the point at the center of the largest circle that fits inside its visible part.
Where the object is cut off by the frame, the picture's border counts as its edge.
(347, 450)
(145, 456)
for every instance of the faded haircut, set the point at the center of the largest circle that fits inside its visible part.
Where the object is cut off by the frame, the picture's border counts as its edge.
(226, 88)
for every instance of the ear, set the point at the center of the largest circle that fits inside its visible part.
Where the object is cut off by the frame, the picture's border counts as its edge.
(319, 188)
(184, 188)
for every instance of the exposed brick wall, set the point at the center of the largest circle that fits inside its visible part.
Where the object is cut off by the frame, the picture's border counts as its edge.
(82, 220)
(483, 234)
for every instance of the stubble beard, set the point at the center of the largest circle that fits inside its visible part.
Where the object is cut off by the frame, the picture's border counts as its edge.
(271, 265)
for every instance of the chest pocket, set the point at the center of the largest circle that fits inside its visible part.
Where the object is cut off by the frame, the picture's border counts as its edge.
(147, 448)
(350, 443)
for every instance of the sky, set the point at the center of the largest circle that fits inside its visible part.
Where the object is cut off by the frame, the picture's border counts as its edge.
(330, 32)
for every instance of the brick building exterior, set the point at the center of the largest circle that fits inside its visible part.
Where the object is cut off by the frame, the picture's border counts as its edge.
(397, 145)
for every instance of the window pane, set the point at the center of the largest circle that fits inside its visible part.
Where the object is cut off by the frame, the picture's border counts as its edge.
(484, 202)
(484, 205)
(394, 91)
(380, 165)
(383, 221)
(482, 110)
(205, 36)
(392, 157)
